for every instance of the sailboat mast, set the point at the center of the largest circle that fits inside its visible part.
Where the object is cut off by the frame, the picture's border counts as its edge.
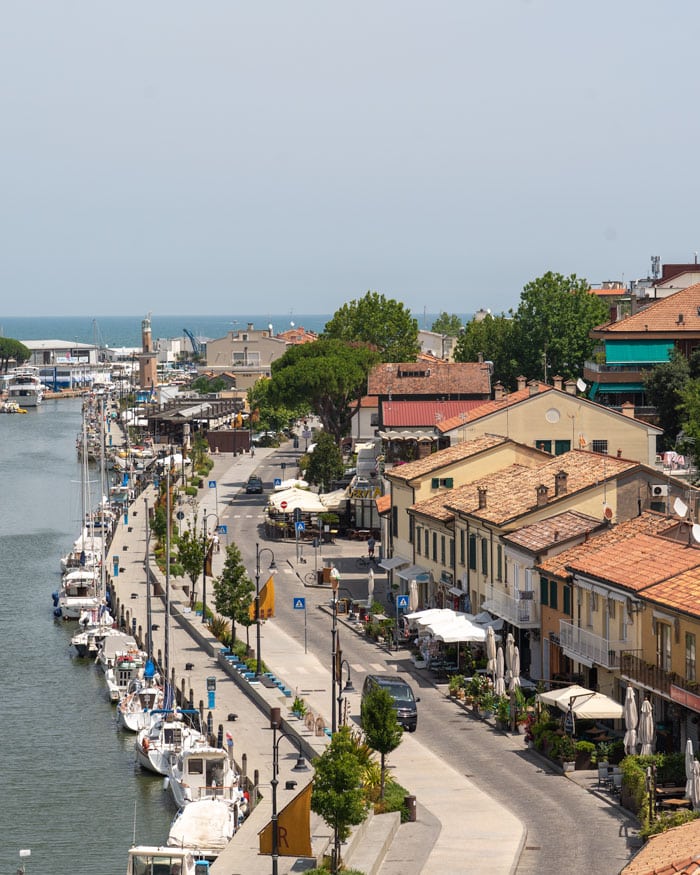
(149, 632)
(167, 578)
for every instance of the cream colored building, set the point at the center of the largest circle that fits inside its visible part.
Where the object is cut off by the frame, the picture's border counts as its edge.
(247, 352)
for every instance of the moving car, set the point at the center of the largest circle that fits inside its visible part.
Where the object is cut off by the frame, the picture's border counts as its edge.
(404, 700)
(254, 486)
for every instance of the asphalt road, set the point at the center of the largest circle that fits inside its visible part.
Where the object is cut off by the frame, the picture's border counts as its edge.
(567, 826)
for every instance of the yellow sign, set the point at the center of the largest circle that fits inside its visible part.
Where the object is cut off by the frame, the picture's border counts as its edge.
(267, 602)
(293, 828)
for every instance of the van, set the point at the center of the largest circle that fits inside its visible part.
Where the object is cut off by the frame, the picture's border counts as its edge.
(405, 702)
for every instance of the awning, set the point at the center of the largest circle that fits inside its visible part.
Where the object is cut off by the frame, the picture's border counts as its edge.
(393, 562)
(454, 591)
(411, 572)
(585, 704)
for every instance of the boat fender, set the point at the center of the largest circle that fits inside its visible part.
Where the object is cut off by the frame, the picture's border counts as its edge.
(145, 743)
(54, 596)
(166, 783)
(57, 612)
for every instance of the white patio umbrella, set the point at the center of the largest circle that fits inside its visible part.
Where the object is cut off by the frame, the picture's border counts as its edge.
(499, 686)
(694, 794)
(645, 735)
(491, 652)
(689, 767)
(510, 646)
(370, 586)
(413, 595)
(631, 720)
(515, 671)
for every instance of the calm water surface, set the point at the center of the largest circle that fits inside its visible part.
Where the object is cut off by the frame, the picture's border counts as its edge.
(70, 789)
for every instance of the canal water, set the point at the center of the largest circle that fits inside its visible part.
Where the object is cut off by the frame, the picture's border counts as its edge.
(71, 793)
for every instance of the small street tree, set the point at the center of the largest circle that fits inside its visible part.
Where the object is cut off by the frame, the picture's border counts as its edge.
(384, 323)
(382, 730)
(337, 794)
(13, 351)
(325, 463)
(233, 590)
(447, 323)
(190, 554)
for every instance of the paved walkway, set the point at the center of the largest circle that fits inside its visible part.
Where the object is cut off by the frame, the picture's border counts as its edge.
(457, 820)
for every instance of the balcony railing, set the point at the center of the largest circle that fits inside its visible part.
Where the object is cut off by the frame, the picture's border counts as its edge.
(652, 677)
(589, 647)
(615, 369)
(521, 612)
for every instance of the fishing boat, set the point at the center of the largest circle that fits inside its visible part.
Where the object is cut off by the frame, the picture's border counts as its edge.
(152, 860)
(24, 387)
(202, 773)
(170, 732)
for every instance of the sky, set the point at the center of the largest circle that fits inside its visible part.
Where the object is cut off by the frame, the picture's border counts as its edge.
(221, 156)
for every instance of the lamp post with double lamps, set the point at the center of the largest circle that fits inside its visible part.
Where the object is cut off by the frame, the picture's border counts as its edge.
(272, 569)
(343, 690)
(335, 582)
(299, 767)
(204, 561)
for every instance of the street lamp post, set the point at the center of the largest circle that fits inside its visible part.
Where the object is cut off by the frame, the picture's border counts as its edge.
(272, 568)
(204, 562)
(342, 691)
(299, 767)
(334, 648)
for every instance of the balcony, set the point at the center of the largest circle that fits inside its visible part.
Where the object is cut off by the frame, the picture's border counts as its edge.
(651, 677)
(521, 612)
(588, 648)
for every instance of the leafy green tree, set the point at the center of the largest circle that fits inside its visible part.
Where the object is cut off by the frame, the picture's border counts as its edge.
(337, 794)
(327, 377)
(325, 463)
(233, 590)
(268, 415)
(382, 730)
(554, 318)
(206, 386)
(495, 337)
(665, 388)
(447, 323)
(381, 322)
(190, 553)
(13, 351)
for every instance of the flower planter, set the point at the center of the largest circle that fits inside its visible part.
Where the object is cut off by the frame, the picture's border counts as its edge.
(569, 765)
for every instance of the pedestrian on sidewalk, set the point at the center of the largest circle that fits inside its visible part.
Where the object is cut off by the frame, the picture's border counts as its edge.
(370, 546)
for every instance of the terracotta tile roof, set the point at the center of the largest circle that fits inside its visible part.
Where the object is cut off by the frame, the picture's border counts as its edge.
(489, 407)
(383, 503)
(681, 593)
(426, 378)
(435, 508)
(557, 529)
(638, 562)
(648, 522)
(669, 853)
(369, 401)
(405, 414)
(436, 461)
(511, 492)
(663, 316)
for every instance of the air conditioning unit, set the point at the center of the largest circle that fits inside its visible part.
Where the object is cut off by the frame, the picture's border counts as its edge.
(659, 489)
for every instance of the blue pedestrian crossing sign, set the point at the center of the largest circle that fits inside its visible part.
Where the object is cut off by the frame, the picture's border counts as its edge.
(277, 481)
(223, 530)
(300, 526)
(212, 484)
(402, 602)
(299, 603)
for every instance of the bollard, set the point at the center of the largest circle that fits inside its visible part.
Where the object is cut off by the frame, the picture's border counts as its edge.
(244, 766)
(256, 783)
(410, 803)
(275, 717)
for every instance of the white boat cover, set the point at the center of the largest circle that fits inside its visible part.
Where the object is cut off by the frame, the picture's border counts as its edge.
(206, 824)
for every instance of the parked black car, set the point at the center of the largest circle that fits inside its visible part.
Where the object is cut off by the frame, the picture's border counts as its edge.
(404, 700)
(254, 486)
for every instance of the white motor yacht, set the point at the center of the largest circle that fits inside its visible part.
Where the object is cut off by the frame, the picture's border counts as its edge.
(202, 773)
(169, 734)
(25, 387)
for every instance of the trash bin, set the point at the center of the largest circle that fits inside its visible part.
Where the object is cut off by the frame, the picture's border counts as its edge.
(327, 574)
(410, 803)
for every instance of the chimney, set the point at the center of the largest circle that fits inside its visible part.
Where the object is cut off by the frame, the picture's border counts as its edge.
(498, 391)
(542, 491)
(570, 387)
(558, 382)
(522, 382)
(250, 326)
(534, 387)
(480, 358)
(628, 409)
(482, 497)
(561, 479)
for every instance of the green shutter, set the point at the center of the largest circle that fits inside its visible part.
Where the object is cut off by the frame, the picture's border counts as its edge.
(544, 591)
(435, 482)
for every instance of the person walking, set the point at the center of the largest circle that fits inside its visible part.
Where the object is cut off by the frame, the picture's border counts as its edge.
(370, 546)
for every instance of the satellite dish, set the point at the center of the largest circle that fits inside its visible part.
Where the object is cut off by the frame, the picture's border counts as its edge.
(608, 512)
(680, 508)
(695, 532)
(580, 385)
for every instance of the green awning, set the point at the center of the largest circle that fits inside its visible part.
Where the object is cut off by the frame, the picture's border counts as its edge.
(603, 388)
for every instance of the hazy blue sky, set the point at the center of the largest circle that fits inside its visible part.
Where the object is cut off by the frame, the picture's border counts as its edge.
(220, 157)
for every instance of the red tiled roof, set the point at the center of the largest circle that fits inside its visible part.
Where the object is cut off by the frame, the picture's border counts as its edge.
(383, 503)
(428, 378)
(681, 593)
(407, 414)
(488, 407)
(557, 529)
(676, 314)
(671, 852)
(436, 461)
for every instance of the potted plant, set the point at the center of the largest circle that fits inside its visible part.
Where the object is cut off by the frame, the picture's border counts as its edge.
(298, 706)
(487, 702)
(455, 683)
(603, 754)
(564, 749)
(503, 712)
(584, 754)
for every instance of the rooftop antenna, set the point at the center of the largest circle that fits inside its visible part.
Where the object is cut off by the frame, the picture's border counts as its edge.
(680, 508)
(580, 385)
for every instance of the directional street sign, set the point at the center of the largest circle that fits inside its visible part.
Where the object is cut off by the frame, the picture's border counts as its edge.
(402, 601)
(299, 603)
(299, 526)
(212, 484)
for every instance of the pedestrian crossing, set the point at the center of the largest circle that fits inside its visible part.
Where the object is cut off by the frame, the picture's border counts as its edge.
(375, 667)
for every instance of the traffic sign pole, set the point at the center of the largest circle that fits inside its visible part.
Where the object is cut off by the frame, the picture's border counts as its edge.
(300, 604)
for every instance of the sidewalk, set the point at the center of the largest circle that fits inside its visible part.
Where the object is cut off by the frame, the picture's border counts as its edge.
(462, 823)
